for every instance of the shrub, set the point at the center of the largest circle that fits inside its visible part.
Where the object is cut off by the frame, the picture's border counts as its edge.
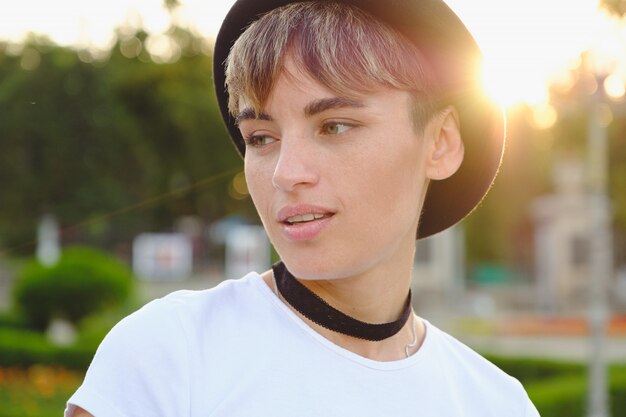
(567, 396)
(83, 281)
(11, 320)
(23, 348)
(563, 396)
(559, 388)
(528, 370)
(617, 390)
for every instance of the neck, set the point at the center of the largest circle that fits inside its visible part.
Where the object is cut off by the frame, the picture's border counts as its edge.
(318, 310)
(373, 294)
(406, 342)
(373, 298)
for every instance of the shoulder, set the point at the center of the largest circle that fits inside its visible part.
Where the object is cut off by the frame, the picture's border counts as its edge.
(463, 358)
(478, 378)
(144, 364)
(229, 301)
(188, 303)
(172, 324)
(185, 304)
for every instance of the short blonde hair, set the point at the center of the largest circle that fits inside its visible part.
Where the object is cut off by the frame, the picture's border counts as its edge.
(339, 45)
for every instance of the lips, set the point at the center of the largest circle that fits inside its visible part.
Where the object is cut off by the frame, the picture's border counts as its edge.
(305, 218)
(303, 222)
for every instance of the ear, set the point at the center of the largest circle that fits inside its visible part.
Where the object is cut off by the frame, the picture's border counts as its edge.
(446, 148)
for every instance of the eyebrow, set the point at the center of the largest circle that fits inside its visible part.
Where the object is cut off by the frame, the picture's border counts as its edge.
(321, 105)
(311, 109)
(249, 114)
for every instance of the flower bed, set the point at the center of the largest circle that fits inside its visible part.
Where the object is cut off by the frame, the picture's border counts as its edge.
(36, 391)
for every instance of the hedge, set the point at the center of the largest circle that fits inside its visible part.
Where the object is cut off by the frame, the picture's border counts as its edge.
(83, 281)
(567, 396)
(20, 347)
(559, 388)
(527, 370)
(12, 320)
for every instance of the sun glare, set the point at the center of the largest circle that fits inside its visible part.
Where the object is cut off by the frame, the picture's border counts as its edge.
(526, 45)
(80, 23)
(501, 84)
(615, 86)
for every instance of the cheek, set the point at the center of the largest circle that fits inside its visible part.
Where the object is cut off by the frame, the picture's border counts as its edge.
(259, 182)
(393, 184)
(395, 169)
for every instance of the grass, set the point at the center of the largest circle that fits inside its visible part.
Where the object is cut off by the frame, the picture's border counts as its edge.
(36, 391)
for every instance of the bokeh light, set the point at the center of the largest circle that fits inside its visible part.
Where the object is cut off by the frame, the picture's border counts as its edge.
(544, 116)
(615, 86)
(238, 187)
(527, 45)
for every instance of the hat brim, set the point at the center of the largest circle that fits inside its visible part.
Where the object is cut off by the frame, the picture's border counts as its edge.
(452, 55)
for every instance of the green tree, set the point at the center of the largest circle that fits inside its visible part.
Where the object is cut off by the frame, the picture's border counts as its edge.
(124, 136)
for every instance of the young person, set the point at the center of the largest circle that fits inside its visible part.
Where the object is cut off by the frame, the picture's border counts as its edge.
(362, 126)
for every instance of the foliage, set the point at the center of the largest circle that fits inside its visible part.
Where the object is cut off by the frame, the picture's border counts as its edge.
(617, 179)
(83, 281)
(528, 370)
(11, 320)
(502, 214)
(567, 396)
(120, 145)
(559, 388)
(559, 396)
(23, 348)
(527, 166)
(617, 390)
(36, 391)
(111, 147)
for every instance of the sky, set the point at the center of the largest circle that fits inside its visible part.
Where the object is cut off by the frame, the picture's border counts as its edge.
(527, 44)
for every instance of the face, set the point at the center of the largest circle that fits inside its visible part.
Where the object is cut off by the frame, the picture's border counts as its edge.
(338, 182)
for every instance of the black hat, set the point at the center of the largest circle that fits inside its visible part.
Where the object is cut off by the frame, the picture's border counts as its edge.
(452, 55)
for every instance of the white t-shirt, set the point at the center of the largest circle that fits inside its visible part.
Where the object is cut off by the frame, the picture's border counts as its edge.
(237, 351)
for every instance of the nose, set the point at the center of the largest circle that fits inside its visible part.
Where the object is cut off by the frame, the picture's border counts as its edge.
(295, 166)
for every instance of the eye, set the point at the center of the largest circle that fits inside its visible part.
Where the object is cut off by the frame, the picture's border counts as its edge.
(335, 128)
(258, 140)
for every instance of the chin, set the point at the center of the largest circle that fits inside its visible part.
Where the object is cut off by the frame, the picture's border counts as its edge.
(307, 267)
(319, 266)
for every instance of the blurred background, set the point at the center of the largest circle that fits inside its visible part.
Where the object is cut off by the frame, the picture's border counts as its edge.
(119, 185)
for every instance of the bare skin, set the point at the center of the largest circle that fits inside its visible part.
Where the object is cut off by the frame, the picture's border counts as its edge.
(310, 148)
(390, 349)
(339, 156)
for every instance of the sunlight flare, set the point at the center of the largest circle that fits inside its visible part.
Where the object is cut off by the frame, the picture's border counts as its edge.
(527, 46)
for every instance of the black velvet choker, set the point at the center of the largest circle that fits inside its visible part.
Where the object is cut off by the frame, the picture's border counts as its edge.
(313, 307)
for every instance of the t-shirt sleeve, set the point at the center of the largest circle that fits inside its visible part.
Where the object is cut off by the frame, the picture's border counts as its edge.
(140, 369)
(531, 410)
